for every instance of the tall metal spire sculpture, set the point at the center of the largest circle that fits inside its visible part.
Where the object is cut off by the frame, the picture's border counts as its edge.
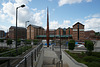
(47, 32)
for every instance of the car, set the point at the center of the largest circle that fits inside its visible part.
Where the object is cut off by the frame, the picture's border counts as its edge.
(81, 46)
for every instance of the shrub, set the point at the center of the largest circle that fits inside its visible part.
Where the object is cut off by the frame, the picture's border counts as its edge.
(94, 64)
(1, 40)
(35, 41)
(9, 41)
(28, 41)
(18, 42)
(89, 45)
(71, 44)
(89, 58)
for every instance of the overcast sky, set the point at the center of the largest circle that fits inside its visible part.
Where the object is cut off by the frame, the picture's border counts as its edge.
(62, 13)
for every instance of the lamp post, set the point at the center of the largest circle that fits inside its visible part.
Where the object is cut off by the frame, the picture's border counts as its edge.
(26, 28)
(60, 44)
(16, 23)
(26, 33)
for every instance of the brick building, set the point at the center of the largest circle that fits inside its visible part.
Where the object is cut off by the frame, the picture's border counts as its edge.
(21, 32)
(33, 31)
(89, 35)
(78, 32)
(69, 31)
(2, 34)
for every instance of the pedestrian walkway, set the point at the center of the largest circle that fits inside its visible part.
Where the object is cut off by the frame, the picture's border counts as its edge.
(51, 57)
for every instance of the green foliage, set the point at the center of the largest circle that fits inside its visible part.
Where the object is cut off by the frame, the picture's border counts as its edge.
(1, 40)
(18, 42)
(35, 41)
(94, 64)
(90, 61)
(12, 53)
(97, 33)
(71, 44)
(89, 45)
(3, 49)
(28, 41)
(9, 41)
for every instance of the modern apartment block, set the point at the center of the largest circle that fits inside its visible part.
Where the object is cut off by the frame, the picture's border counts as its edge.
(21, 32)
(2, 34)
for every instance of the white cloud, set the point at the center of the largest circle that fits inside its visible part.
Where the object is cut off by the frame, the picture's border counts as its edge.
(63, 2)
(88, 0)
(96, 15)
(55, 24)
(34, 9)
(3, 28)
(92, 24)
(24, 14)
(93, 16)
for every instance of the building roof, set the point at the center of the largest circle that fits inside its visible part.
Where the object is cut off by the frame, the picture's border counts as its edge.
(90, 31)
(78, 23)
(17, 27)
(36, 26)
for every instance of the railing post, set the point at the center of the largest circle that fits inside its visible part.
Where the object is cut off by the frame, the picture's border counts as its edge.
(35, 54)
(25, 62)
(8, 65)
(31, 59)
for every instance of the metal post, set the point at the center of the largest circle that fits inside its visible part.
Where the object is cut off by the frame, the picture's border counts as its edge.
(32, 59)
(26, 34)
(25, 62)
(60, 43)
(8, 65)
(16, 29)
(35, 54)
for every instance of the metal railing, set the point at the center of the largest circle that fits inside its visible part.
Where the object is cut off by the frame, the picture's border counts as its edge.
(30, 58)
(26, 61)
(59, 64)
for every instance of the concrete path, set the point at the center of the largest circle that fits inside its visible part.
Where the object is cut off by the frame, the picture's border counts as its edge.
(51, 57)
(98, 43)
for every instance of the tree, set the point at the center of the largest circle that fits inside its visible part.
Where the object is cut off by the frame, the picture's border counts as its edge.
(90, 46)
(71, 45)
(9, 42)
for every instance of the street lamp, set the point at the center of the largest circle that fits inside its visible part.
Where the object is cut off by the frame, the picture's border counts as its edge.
(60, 43)
(16, 23)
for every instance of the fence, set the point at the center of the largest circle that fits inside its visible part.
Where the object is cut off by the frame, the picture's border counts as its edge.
(27, 60)
(30, 58)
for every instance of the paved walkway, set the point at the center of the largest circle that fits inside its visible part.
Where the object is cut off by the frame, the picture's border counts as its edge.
(50, 56)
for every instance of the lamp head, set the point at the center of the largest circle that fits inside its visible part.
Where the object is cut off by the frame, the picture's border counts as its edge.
(22, 5)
